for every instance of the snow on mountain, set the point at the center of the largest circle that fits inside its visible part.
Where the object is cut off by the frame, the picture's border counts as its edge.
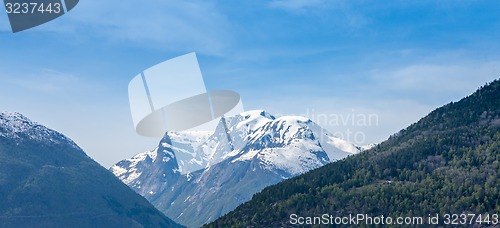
(367, 147)
(195, 177)
(145, 172)
(14, 122)
(295, 145)
(196, 150)
(129, 172)
(286, 144)
(291, 145)
(16, 126)
(186, 146)
(233, 135)
(335, 147)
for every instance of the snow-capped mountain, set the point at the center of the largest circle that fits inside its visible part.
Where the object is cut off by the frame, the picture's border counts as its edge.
(13, 125)
(197, 150)
(46, 180)
(245, 153)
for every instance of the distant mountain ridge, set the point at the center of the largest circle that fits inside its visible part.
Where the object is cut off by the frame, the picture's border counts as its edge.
(446, 163)
(46, 180)
(246, 153)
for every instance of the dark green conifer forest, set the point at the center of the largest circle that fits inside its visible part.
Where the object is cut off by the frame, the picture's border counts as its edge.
(448, 162)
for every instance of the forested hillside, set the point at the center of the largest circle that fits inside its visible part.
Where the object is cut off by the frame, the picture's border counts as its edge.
(448, 162)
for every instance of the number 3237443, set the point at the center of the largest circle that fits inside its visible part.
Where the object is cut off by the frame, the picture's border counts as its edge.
(32, 8)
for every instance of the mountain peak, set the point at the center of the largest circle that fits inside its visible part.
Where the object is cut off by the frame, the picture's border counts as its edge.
(14, 121)
(12, 114)
(294, 119)
(15, 126)
(220, 170)
(256, 113)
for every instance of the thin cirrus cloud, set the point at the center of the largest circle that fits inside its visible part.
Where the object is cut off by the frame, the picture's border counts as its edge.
(345, 15)
(165, 25)
(436, 82)
(46, 81)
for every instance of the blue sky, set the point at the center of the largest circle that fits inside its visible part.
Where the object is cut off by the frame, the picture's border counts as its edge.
(396, 59)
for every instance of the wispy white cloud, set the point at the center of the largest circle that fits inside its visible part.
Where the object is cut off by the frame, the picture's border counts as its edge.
(438, 79)
(48, 82)
(343, 14)
(399, 96)
(159, 24)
